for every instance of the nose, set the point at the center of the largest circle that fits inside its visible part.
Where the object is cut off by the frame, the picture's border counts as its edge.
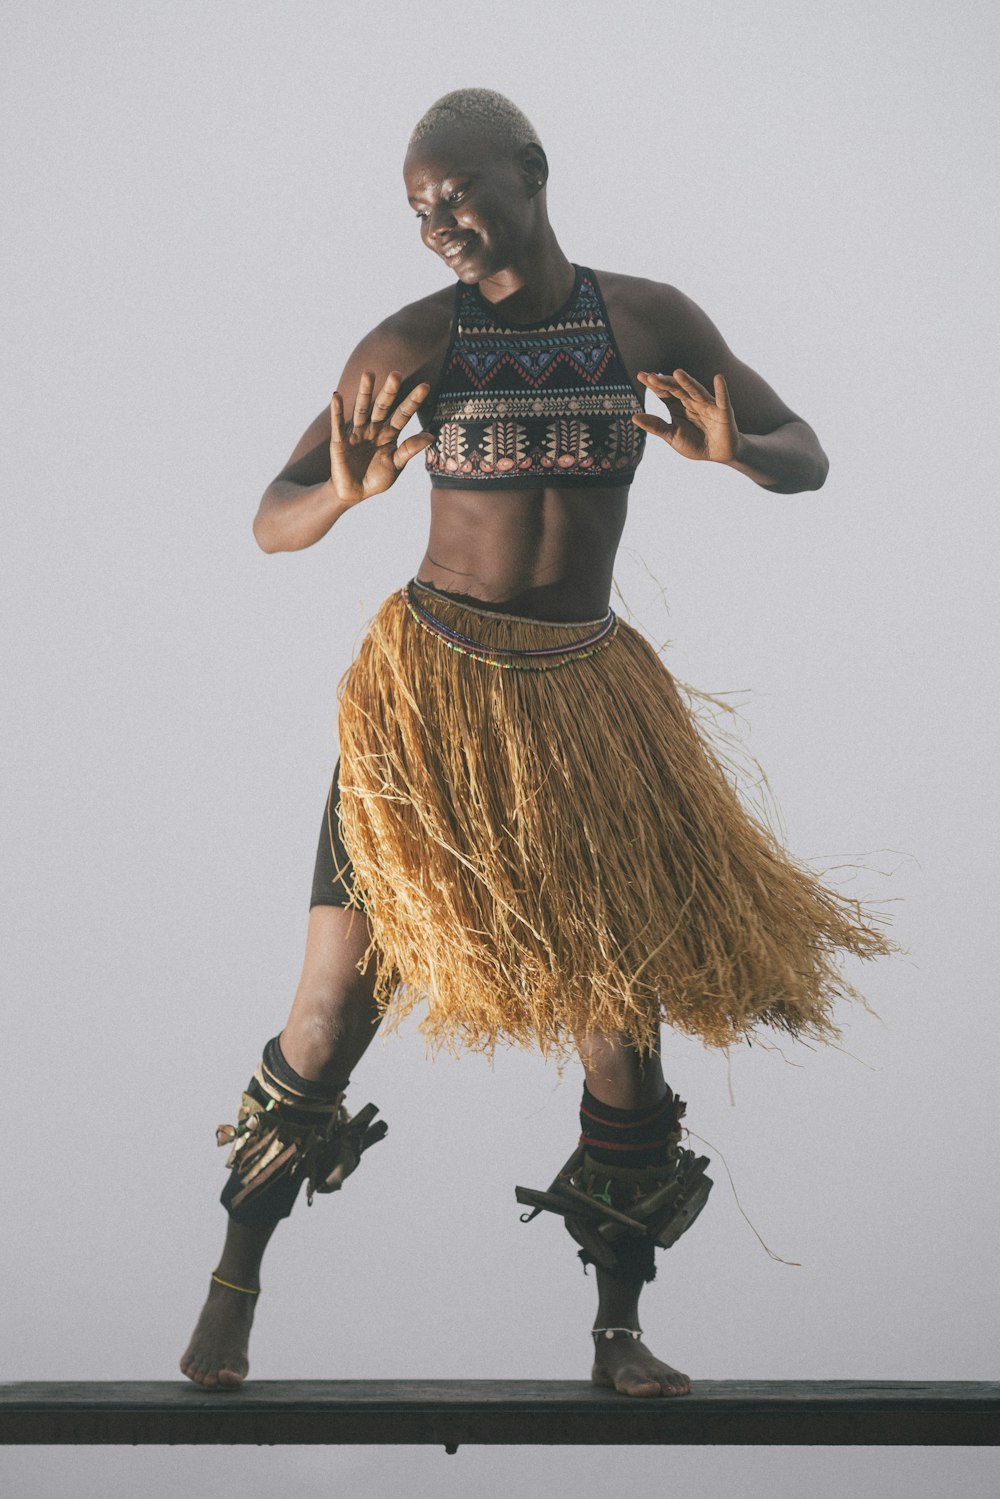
(440, 217)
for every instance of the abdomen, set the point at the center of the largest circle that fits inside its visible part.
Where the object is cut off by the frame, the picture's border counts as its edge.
(544, 552)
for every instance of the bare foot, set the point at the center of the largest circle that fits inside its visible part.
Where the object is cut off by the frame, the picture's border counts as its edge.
(626, 1365)
(216, 1356)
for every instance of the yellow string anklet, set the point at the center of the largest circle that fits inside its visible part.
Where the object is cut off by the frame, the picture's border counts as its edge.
(230, 1287)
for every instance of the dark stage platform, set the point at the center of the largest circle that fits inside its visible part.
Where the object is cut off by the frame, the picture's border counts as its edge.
(450, 1413)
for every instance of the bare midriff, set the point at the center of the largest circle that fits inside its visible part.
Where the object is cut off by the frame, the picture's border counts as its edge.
(545, 553)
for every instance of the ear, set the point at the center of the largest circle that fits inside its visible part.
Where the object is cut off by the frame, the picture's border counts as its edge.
(534, 167)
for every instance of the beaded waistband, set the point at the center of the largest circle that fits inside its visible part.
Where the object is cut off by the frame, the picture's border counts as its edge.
(540, 658)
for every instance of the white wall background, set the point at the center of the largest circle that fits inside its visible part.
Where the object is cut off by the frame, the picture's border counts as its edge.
(204, 213)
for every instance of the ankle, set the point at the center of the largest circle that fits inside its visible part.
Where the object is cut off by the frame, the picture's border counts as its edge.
(240, 1261)
(230, 1282)
(604, 1333)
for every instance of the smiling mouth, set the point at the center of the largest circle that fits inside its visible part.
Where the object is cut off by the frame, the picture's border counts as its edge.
(458, 249)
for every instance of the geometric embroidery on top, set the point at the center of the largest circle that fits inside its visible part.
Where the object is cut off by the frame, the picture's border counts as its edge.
(548, 401)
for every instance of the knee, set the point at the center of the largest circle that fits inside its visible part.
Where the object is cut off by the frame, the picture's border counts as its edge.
(620, 1075)
(329, 1009)
(330, 1025)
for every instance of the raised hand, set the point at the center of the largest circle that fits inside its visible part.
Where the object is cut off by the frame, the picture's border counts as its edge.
(366, 457)
(702, 426)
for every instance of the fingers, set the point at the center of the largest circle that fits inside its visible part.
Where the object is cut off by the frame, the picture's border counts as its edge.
(408, 405)
(680, 385)
(363, 400)
(702, 425)
(410, 448)
(375, 412)
(653, 424)
(664, 386)
(691, 386)
(336, 417)
(657, 382)
(386, 396)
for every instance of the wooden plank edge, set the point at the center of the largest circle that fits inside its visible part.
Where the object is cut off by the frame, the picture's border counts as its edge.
(807, 1415)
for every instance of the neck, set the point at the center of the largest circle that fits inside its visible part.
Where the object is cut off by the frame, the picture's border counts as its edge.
(536, 285)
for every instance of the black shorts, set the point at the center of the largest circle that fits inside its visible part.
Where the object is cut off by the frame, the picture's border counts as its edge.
(333, 873)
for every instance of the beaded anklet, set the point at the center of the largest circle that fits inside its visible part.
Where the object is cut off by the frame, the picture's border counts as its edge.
(609, 1332)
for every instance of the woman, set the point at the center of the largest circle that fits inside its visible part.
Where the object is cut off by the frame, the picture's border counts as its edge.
(526, 831)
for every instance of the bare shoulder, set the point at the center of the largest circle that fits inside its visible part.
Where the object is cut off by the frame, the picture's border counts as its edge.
(641, 299)
(410, 340)
(658, 327)
(655, 323)
(635, 291)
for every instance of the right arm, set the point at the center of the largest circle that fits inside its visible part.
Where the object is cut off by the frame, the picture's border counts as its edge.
(300, 505)
(337, 463)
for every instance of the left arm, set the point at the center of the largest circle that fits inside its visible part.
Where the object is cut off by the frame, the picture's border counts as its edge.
(722, 411)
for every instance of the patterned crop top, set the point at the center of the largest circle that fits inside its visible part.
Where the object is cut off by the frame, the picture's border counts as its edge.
(548, 402)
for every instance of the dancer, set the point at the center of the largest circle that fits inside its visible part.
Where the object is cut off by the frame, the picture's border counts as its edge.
(528, 833)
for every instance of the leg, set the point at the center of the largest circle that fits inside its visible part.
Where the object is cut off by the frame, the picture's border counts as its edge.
(619, 1076)
(332, 1022)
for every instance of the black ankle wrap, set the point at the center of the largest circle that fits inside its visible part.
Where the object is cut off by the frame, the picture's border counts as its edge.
(276, 1202)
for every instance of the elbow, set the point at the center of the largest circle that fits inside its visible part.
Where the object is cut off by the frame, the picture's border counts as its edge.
(262, 539)
(820, 464)
(263, 532)
(812, 463)
(813, 469)
(266, 543)
(271, 540)
(822, 469)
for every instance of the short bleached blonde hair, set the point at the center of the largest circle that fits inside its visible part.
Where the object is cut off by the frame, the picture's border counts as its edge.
(479, 108)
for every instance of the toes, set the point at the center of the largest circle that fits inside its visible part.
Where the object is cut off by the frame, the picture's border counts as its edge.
(649, 1383)
(676, 1386)
(229, 1379)
(642, 1389)
(198, 1371)
(642, 1380)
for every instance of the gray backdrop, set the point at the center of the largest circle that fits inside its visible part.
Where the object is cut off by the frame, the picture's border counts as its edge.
(205, 212)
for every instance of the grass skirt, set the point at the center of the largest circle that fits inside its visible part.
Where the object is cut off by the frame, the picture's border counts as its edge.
(544, 853)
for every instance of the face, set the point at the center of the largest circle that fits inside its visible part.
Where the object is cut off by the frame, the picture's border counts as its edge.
(477, 204)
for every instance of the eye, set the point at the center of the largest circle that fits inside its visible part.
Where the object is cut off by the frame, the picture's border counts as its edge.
(456, 196)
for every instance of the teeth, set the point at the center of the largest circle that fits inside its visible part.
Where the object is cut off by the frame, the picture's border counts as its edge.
(455, 250)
